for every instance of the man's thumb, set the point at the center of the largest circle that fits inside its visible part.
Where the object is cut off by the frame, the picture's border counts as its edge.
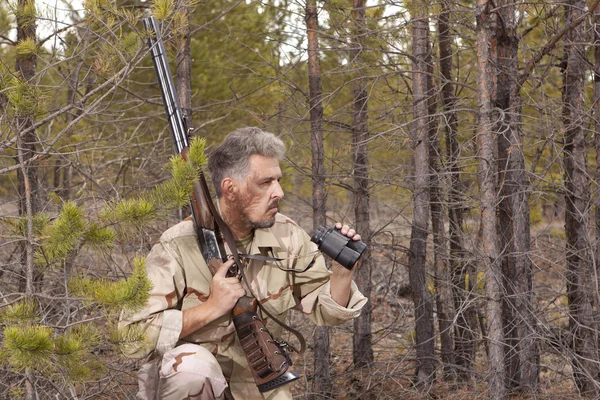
(222, 271)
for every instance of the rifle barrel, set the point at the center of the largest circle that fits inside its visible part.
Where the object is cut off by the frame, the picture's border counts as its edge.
(161, 66)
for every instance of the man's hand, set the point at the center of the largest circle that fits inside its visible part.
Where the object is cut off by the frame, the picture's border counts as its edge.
(349, 232)
(341, 279)
(224, 291)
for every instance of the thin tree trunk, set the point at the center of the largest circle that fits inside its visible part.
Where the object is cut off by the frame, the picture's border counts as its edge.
(28, 186)
(29, 266)
(488, 200)
(443, 283)
(582, 326)
(596, 110)
(362, 347)
(27, 209)
(507, 69)
(519, 320)
(321, 384)
(466, 317)
(422, 298)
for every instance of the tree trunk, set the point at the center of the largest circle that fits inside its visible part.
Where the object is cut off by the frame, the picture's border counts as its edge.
(443, 282)
(28, 186)
(466, 317)
(488, 199)
(321, 384)
(507, 45)
(422, 298)
(362, 347)
(596, 111)
(582, 326)
(513, 214)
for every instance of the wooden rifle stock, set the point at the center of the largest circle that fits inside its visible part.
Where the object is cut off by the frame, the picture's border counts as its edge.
(267, 360)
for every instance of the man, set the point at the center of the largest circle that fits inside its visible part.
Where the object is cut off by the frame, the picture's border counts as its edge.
(190, 337)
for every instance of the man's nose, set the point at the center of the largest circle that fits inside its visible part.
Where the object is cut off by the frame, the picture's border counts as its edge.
(278, 191)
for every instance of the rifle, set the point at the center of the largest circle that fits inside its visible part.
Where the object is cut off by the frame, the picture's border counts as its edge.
(266, 358)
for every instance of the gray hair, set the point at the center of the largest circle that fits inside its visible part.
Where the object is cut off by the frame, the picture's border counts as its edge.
(232, 157)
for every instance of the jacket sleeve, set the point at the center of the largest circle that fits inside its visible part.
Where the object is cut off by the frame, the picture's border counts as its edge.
(314, 291)
(160, 320)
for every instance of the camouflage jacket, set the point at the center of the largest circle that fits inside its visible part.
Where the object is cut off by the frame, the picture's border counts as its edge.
(182, 280)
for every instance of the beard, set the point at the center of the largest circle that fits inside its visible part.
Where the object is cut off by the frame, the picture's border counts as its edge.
(266, 222)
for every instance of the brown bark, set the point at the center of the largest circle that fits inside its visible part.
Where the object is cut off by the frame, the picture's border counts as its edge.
(26, 68)
(582, 326)
(443, 283)
(488, 198)
(513, 214)
(422, 298)
(30, 392)
(506, 56)
(28, 185)
(596, 111)
(466, 317)
(322, 378)
(362, 347)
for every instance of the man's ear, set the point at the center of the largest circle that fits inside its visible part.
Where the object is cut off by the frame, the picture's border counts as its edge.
(229, 188)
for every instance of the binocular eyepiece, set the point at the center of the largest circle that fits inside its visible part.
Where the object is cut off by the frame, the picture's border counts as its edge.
(341, 248)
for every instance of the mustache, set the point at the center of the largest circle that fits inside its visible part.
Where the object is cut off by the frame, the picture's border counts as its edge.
(273, 204)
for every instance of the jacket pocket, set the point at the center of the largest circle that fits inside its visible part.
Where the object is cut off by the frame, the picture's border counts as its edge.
(279, 302)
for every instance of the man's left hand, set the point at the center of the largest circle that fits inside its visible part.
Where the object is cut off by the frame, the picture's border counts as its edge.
(341, 279)
(351, 233)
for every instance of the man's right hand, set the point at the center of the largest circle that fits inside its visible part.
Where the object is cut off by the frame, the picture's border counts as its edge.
(224, 291)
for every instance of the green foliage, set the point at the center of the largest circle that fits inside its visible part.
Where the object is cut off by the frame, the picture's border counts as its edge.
(135, 213)
(197, 156)
(73, 350)
(175, 192)
(19, 313)
(114, 296)
(5, 21)
(162, 9)
(558, 233)
(16, 393)
(28, 348)
(100, 237)
(25, 14)
(24, 99)
(26, 47)
(130, 43)
(19, 226)
(535, 214)
(62, 236)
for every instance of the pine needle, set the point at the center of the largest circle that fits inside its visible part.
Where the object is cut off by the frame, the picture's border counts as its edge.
(28, 347)
(62, 236)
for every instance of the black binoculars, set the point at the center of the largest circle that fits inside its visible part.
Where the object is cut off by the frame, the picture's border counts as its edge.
(341, 248)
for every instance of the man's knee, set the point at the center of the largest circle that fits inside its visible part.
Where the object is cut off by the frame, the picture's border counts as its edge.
(191, 371)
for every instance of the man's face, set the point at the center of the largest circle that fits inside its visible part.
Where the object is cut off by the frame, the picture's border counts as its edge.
(261, 192)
